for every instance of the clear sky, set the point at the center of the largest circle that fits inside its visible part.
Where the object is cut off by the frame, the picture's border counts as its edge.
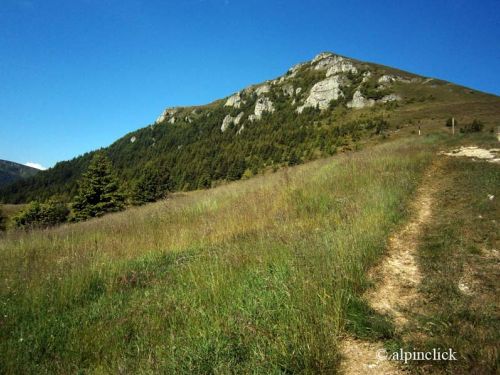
(76, 75)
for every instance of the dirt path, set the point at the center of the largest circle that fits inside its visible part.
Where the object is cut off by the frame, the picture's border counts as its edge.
(397, 278)
(398, 275)
(363, 358)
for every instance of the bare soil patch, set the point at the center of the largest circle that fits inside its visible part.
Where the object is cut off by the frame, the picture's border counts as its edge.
(492, 155)
(364, 358)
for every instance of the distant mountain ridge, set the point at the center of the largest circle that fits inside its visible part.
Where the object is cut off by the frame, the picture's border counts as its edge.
(11, 171)
(315, 109)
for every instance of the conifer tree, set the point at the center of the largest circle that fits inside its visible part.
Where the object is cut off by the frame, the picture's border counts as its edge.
(2, 220)
(98, 191)
(151, 186)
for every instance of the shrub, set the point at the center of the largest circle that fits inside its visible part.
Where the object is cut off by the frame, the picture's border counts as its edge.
(370, 90)
(474, 127)
(42, 215)
(378, 124)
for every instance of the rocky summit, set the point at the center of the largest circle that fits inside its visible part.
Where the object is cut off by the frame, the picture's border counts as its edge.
(356, 83)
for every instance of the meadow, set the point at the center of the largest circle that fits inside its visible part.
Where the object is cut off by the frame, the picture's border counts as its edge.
(258, 276)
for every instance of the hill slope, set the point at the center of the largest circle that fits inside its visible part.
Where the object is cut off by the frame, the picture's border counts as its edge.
(271, 274)
(315, 109)
(11, 171)
(258, 276)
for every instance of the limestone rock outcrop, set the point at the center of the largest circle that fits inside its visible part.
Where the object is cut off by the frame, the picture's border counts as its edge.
(339, 64)
(263, 104)
(323, 92)
(234, 101)
(168, 112)
(288, 90)
(390, 98)
(359, 101)
(262, 89)
(321, 56)
(293, 70)
(228, 120)
(333, 63)
(238, 118)
(366, 77)
(388, 78)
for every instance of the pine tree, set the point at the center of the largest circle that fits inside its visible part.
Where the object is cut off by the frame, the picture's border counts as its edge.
(151, 186)
(98, 191)
(2, 220)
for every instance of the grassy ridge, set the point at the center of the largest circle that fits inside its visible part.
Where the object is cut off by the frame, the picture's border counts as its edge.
(259, 276)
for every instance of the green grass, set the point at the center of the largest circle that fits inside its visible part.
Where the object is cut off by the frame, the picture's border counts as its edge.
(261, 276)
(458, 248)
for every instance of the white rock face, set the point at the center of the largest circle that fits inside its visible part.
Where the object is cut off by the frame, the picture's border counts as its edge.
(238, 118)
(293, 70)
(325, 63)
(340, 65)
(262, 105)
(390, 98)
(321, 56)
(298, 90)
(323, 92)
(262, 89)
(252, 118)
(288, 90)
(386, 79)
(366, 76)
(234, 101)
(240, 129)
(228, 120)
(133, 139)
(359, 101)
(172, 120)
(334, 64)
(166, 113)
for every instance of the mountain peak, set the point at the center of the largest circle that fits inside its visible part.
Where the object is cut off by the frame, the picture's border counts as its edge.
(322, 55)
(314, 109)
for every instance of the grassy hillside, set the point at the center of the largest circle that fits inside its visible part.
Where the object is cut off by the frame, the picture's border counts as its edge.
(258, 276)
(461, 264)
(10, 172)
(192, 152)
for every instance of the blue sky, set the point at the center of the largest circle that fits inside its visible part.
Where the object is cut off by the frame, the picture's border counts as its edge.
(76, 75)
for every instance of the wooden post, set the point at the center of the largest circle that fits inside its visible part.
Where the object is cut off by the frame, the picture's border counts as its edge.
(453, 125)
